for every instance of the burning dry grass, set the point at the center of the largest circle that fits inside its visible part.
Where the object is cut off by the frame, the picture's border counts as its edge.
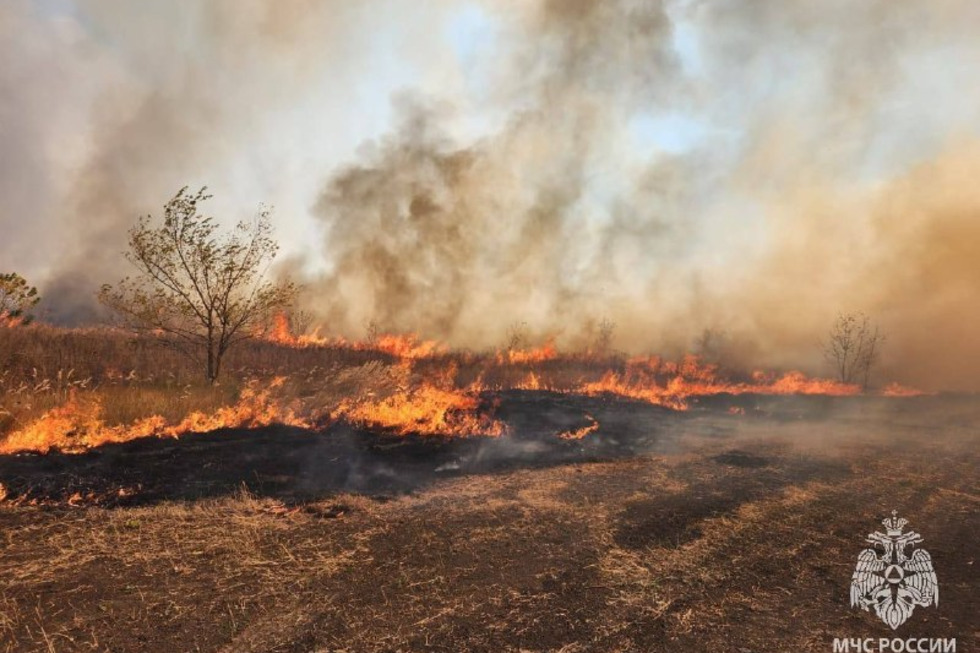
(522, 356)
(426, 410)
(401, 346)
(375, 396)
(899, 390)
(579, 433)
(78, 424)
(530, 559)
(8, 321)
(672, 384)
(73, 390)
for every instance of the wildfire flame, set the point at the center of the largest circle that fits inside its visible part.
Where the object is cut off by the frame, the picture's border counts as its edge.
(9, 321)
(672, 384)
(281, 334)
(898, 390)
(77, 425)
(531, 382)
(255, 408)
(580, 433)
(403, 346)
(421, 394)
(518, 356)
(425, 410)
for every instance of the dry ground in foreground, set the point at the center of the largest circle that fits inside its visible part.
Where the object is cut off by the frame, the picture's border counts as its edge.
(737, 533)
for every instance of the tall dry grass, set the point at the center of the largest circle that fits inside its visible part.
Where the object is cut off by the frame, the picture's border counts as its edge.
(132, 377)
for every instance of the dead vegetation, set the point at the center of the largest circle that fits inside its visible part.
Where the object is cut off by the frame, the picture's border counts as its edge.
(131, 378)
(90, 386)
(530, 560)
(603, 519)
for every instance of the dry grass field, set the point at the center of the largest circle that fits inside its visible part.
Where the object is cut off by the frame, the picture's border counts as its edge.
(562, 326)
(593, 521)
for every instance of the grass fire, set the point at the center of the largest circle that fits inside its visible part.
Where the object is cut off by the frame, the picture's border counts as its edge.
(479, 326)
(392, 383)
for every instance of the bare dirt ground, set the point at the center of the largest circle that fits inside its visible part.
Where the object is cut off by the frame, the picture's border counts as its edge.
(659, 531)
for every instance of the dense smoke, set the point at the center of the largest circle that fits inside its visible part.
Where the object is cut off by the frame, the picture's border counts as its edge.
(126, 103)
(750, 167)
(818, 203)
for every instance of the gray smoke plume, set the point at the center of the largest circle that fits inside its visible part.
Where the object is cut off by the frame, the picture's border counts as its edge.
(827, 182)
(152, 97)
(746, 166)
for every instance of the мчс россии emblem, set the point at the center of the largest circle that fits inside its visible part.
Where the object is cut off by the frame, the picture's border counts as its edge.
(889, 579)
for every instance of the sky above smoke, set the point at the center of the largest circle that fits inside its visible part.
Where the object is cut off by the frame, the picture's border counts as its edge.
(455, 168)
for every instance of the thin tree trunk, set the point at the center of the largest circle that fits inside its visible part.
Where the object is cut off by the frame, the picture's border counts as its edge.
(212, 358)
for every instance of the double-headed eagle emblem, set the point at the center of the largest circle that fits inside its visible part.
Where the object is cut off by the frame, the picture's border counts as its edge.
(891, 581)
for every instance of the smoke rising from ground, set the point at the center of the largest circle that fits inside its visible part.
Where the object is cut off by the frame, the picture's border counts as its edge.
(817, 204)
(152, 97)
(750, 167)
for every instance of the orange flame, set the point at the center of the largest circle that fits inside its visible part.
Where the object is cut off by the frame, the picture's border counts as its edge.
(435, 404)
(255, 408)
(405, 346)
(425, 410)
(77, 425)
(283, 335)
(63, 427)
(518, 356)
(9, 321)
(895, 389)
(580, 433)
(531, 382)
(280, 329)
(672, 384)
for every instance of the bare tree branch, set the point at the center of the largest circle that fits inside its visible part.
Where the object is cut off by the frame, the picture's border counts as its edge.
(853, 347)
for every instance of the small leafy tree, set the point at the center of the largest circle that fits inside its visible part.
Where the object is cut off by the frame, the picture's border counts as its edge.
(206, 290)
(853, 348)
(17, 298)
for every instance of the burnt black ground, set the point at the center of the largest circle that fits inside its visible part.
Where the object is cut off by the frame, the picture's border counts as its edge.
(297, 464)
(661, 531)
